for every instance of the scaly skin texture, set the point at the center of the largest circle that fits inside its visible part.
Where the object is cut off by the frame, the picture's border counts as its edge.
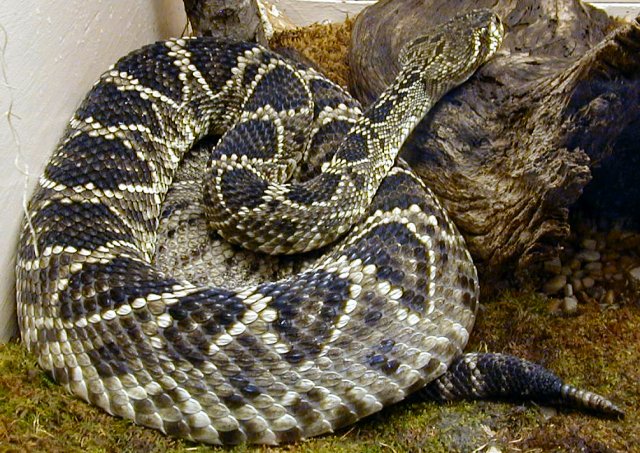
(277, 218)
(380, 315)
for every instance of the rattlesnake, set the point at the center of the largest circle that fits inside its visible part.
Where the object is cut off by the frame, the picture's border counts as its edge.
(381, 310)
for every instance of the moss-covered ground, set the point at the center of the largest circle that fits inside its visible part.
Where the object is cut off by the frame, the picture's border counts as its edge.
(596, 348)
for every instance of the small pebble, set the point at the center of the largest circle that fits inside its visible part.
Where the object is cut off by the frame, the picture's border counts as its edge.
(588, 255)
(596, 275)
(626, 262)
(570, 304)
(630, 240)
(588, 282)
(568, 290)
(589, 244)
(626, 235)
(600, 268)
(576, 283)
(594, 266)
(575, 264)
(555, 284)
(609, 298)
(597, 292)
(634, 276)
(553, 266)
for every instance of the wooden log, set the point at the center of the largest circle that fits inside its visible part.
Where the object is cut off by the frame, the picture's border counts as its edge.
(241, 20)
(511, 152)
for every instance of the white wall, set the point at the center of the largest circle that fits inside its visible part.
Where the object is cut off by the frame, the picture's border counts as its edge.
(51, 52)
(305, 12)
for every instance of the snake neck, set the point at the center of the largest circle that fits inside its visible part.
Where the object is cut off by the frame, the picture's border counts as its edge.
(384, 127)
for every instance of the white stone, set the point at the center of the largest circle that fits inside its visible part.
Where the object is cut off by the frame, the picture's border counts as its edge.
(568, 290)
(570, 304)
(634, 274)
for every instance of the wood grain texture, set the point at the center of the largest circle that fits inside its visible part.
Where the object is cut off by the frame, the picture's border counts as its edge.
(511, 152)
(238, 19)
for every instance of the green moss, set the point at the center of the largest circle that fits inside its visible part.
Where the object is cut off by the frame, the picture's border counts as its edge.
(595, 349)
(38, 415)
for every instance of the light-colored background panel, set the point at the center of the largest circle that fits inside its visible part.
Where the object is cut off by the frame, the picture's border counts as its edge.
(51, 52)
(628, 10)
(305, 12)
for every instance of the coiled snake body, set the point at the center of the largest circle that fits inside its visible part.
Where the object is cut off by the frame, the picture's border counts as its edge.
(378, 313)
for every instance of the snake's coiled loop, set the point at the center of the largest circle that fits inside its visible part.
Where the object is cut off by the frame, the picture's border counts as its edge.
(380, 313)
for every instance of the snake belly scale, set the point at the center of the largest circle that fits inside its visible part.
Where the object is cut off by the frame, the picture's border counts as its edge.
(381, 311)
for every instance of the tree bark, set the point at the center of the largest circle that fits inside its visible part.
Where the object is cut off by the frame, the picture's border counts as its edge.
(240, 20)
(510, 152)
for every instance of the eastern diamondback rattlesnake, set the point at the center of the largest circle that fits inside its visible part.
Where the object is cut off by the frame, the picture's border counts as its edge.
(381, 311)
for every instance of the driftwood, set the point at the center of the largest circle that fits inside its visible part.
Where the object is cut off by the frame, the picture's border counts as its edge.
(241, 20)
(511, 152)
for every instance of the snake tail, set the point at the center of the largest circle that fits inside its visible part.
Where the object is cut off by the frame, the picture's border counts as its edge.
(483, 376)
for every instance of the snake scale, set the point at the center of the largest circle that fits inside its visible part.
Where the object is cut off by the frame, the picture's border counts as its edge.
(225, 354)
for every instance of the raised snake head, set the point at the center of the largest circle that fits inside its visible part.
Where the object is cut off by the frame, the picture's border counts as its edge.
(450, 53)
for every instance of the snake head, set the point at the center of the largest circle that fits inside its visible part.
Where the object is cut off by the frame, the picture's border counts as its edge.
(450, 53)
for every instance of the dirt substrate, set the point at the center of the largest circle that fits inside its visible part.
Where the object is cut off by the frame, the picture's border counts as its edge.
(596, 347)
